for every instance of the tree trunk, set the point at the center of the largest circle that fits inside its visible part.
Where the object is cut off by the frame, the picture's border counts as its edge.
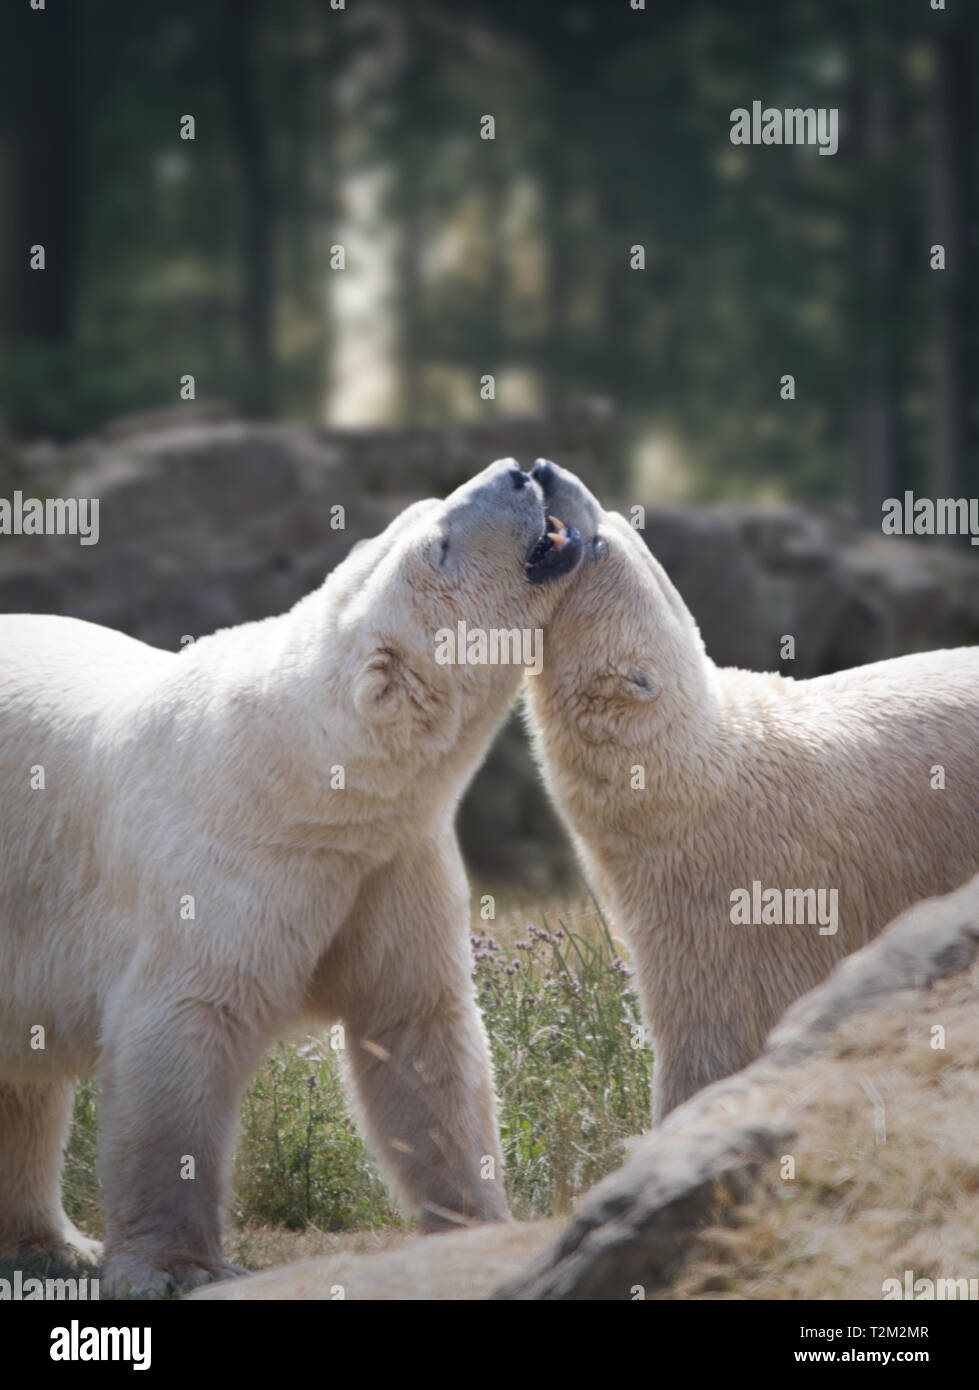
(250, 151)
(410, 161)
(877, 409)
(556, 181)
(40, 197)
(948, 174)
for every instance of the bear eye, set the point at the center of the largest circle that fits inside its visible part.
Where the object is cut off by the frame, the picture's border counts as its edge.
(599, 547)
(443, 549)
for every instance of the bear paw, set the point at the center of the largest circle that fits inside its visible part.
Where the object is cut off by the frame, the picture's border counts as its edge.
(125, 1278)
(67, 1246)
(79, 1248)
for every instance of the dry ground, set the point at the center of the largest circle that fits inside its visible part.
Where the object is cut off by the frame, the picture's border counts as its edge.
(877, 1190)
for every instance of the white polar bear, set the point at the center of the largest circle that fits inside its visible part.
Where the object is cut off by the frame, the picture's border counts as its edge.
(229, 839)
(694, 793)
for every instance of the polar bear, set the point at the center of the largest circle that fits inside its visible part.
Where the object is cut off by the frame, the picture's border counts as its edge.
(199, 849)
(746, 830)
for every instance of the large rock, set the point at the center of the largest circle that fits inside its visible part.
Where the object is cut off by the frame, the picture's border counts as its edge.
(463, 1265)
(725, 1145)
(751, 577)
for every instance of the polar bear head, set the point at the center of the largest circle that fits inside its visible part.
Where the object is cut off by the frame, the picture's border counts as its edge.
(623, 650)
(486, 560)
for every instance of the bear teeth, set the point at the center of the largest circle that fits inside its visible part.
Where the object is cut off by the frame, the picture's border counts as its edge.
(542, 545)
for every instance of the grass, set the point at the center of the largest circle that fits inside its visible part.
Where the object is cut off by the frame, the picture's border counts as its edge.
(563, 1025)
(572, 1083)
(301, 1161)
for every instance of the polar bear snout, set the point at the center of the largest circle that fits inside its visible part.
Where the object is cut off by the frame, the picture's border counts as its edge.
(556, 551)
(504, 505)
(565, 496)
(556, 547)
(545, 475)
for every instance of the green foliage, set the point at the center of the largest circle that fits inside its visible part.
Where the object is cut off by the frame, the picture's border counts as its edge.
(211, 256)
(562, 1022)
(300, 1160)
(81, 1189)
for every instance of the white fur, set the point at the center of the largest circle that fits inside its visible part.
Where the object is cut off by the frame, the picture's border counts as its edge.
(208, 773)
(796, 784)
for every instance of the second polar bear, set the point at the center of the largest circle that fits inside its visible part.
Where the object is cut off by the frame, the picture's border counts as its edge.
(714, 808)
(199, 849)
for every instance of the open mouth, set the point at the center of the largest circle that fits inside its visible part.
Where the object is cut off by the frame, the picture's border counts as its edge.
(555, 552)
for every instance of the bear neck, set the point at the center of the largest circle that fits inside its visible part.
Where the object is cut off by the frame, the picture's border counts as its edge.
(308, 770)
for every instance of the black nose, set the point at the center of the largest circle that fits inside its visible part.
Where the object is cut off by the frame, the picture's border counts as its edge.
(544, 474)
(518, 478)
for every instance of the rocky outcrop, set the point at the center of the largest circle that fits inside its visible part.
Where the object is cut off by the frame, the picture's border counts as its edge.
(751, 577)
(636, 1228)
(206, 521)
(462, 1266)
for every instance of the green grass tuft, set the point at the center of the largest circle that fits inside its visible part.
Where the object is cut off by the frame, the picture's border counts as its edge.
(563, 1024)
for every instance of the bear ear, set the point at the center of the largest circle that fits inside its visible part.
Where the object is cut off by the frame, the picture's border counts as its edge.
(635, 681)
(638, 682)
(388, 687)
(630, 683)
(379, 691)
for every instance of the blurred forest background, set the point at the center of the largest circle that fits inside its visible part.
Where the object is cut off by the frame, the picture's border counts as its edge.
(318, 127)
